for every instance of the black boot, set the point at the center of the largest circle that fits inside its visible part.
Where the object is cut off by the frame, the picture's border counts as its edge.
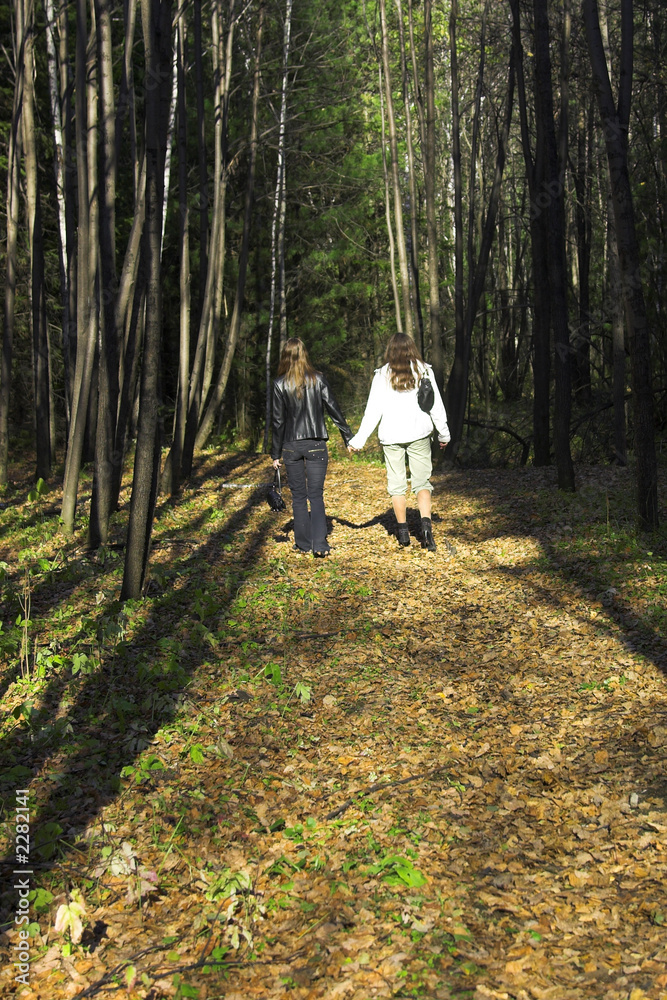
(427, 535)
(403, 534)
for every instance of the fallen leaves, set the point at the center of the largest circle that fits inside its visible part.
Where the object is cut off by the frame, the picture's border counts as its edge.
(384, 773)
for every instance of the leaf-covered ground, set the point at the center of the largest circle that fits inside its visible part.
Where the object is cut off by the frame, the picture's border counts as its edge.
(384, 774)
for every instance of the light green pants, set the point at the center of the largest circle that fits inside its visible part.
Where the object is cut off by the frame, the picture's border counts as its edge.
(419, 460)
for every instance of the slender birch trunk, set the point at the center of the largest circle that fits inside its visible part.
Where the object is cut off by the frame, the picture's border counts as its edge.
(59, 166)
(428, 155)
(415, 297)
(70, 188)
(278, 220)
(172, 471)
(539, 197)
(459, 314)
(408, 326)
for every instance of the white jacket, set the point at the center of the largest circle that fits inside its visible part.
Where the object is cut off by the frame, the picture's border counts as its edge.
(401, 420)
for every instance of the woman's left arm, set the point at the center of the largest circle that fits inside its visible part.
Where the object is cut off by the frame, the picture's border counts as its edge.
(330, 404)
(438, 414)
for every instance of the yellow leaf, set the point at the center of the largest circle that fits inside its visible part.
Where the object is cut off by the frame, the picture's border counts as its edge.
(515, 967)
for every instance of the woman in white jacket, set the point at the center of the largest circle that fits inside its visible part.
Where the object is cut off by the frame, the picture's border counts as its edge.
(404, 429)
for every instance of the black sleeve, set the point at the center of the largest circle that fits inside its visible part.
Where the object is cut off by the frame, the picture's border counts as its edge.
(334, 411)
(278, 422)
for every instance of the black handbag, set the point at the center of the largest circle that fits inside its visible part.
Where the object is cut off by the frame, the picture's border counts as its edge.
(274, 497)
(425, 394)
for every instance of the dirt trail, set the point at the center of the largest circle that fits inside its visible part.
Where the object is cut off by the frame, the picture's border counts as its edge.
(425, 775)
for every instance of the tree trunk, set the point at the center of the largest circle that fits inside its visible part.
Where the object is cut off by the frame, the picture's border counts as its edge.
(459, 306)
(12, 229)
(87, 260)
(614, 298)
(156, 18)
(615, 123)
(61, 191)
(555, 221)
(235, 323)
(539, 198)
(278, 222)
(108, 461)
(40, 339)
(199, 380)
(201, 149)
(581, 347)
(428, 154)
(171, 477)
(70, 189)
(408, 326)
(387, 214)
(457, 388)
(126, 102)
(415, 298)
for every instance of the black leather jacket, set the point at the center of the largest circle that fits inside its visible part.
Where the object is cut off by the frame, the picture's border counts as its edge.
(298, 419)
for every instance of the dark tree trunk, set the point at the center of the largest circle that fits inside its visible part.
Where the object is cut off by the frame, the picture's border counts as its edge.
(108, 460)
(581, 346)
(87, 261)
(235, 323)
(201, 368)
(171, 476)
(40, 339)
(457, 373)
(156, 16)
(457, 387)
(614, 300)
(539, 198)
(555, 222)
(615, 123)
(201, 151)
(11, 249)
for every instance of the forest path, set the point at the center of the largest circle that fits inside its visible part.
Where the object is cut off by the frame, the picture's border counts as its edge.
(397, 773)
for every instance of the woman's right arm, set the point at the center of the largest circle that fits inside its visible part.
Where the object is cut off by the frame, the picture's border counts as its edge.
(372, 414)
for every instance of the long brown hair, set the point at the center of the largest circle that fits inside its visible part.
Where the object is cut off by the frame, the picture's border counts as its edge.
(295, 365)
(400, 355)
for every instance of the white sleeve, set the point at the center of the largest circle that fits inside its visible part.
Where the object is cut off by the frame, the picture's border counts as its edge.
(373, 412)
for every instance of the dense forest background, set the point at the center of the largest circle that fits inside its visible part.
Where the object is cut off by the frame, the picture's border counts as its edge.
(187, 185)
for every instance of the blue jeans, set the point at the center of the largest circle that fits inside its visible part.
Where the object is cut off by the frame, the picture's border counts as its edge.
(306, 466)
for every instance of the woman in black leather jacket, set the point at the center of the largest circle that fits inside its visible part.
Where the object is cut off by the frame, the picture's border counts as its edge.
(300, 397)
